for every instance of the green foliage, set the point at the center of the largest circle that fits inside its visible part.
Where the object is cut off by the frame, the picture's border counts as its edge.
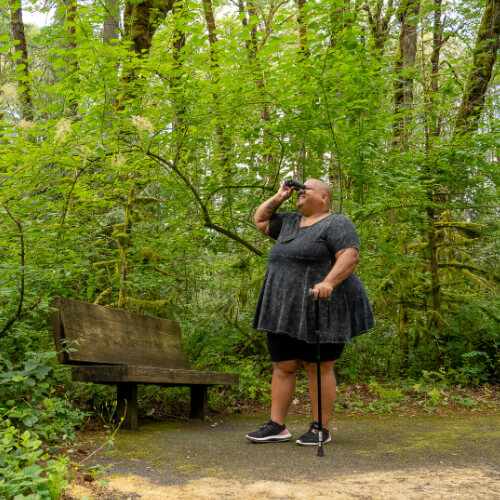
(377, 354)
(254, 386)
(28, 471)
(432, 392)
(135, 185)
(395, 394)
(158, 402)
(30, 402)
(34, 423)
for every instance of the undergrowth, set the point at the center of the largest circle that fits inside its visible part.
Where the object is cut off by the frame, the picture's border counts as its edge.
(36, 425)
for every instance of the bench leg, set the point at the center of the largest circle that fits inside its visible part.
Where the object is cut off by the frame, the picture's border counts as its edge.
(199, 401)
(126, 398)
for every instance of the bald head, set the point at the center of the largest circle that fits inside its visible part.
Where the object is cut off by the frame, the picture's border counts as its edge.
(323, 187)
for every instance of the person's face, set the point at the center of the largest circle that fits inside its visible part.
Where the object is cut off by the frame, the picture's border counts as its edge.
(311, 199)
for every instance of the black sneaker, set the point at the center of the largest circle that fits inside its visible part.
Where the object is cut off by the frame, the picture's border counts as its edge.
(311, 437)
(270, 433)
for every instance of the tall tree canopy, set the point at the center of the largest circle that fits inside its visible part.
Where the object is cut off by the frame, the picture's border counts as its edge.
(136, 144)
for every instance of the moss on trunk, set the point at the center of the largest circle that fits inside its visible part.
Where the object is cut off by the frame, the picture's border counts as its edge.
(484, 57)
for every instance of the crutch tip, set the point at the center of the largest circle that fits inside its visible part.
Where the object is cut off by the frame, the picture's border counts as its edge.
(321, 453)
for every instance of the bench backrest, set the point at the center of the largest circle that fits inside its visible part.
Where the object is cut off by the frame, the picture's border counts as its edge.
(90, 334)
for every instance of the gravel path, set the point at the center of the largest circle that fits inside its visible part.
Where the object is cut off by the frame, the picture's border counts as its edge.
(369, 457)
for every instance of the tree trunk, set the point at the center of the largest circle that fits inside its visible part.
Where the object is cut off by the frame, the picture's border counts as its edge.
(485, 54)
(432, 118)
(223, 146)
(67, 16)
(250, 42)
(379, 25)
(123, 240)
(405, 57)
(337, 22)
(111, 25)
(23, 76)
(140, 22)
(211, 27)
(137, 24)
(437, 41)
(252, 46)
(432, 247)
(403, 335)
(303, 51)
(340, 17)
(212, 38)
(433, 130)
(179, 41)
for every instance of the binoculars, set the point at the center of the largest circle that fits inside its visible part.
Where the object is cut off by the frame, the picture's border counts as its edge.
(296, 184)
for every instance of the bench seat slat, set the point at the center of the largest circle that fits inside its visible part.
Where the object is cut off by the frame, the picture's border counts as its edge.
(150, 375)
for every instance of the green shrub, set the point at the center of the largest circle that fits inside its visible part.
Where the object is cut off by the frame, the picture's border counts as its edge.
(29, 401)
(28, 471)
(34, 424)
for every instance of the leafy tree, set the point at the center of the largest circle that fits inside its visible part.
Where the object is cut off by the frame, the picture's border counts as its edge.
(133, 181)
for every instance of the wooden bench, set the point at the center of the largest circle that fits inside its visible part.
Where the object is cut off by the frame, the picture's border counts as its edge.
(111, 346)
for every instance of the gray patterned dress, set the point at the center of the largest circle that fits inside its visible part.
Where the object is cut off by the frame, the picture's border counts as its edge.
(301, 258)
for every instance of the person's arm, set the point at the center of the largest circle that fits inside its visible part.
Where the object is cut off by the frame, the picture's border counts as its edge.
(265, 211)
(346, 261)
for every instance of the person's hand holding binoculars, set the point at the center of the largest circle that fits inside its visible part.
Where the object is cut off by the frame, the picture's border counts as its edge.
(284, 192)
(288, 187)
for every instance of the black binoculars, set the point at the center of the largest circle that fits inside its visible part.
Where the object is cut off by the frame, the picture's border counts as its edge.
(293, 183)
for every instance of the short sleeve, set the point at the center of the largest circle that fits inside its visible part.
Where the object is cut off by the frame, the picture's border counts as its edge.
(276, 223)
(342, 234)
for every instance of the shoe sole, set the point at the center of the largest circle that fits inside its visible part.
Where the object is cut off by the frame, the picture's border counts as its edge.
(299, 442)
(270, 439)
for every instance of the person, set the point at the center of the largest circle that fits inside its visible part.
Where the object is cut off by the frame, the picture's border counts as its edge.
(316, 250)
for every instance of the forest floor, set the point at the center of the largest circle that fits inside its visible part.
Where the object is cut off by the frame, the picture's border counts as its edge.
(449, 453)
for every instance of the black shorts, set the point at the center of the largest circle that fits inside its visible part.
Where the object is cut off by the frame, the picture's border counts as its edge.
(282, 347)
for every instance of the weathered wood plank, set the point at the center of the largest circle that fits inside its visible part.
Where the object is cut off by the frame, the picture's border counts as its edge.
(106, 374)
(59, 340)
(110, 336)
